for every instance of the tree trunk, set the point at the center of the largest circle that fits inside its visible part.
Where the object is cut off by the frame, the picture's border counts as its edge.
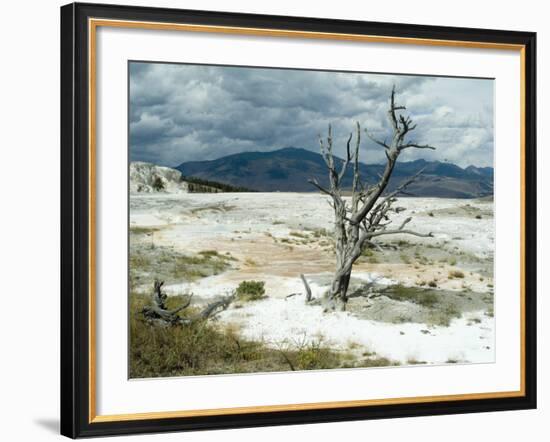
(337, 297)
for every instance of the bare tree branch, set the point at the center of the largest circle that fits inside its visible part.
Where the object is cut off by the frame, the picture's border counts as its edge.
(393, 232)
(323, 151)
(400, 189)
(405, 222)
(417, 146)
(321, 188)
(375, 245)
(356, 175)
(214, 308)
(380, 143)
(368, 217)
(346, 161)
(393, 108)
(183, 306)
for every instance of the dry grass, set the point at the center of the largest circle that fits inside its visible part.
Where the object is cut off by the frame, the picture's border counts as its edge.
(141, 230)
(204, 348)
(148, 262)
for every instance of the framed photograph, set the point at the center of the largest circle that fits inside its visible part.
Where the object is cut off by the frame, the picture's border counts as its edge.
(274, 220)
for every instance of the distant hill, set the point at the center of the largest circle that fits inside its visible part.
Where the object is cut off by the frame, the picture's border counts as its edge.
(288, 170)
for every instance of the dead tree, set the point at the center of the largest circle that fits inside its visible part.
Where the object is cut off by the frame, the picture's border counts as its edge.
(358, 224)
(157, 312)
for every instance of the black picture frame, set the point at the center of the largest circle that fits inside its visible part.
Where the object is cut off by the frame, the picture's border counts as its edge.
(75, 220)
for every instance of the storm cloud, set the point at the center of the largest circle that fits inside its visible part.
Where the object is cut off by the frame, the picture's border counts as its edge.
(184, 112)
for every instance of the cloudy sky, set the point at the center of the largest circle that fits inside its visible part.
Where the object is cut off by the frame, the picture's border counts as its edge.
(183, 113)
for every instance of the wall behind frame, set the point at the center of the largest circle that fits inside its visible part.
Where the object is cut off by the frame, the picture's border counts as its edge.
(29, 183)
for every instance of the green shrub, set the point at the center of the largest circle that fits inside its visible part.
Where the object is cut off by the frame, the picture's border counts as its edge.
(250, 290)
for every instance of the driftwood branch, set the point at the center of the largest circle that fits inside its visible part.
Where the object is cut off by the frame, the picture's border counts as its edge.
(157, 313)
(393, 232)
(307, 287)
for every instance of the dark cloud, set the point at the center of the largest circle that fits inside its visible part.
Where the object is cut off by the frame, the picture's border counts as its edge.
(189, 112)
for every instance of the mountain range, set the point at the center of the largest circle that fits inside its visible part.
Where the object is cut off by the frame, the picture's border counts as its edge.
(290, 168)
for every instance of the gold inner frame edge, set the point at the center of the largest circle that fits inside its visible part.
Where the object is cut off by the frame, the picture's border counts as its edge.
(93, 24)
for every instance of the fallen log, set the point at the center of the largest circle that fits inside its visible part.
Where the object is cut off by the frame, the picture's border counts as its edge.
(157, 313)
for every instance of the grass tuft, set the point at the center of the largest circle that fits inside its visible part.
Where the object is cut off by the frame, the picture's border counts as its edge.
(456, 274)
(419, 296)
(141, 230)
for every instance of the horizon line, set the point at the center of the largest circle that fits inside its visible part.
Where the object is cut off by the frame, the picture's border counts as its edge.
(311, 151)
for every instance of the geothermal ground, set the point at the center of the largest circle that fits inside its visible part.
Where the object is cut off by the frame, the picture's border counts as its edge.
(419, 301)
